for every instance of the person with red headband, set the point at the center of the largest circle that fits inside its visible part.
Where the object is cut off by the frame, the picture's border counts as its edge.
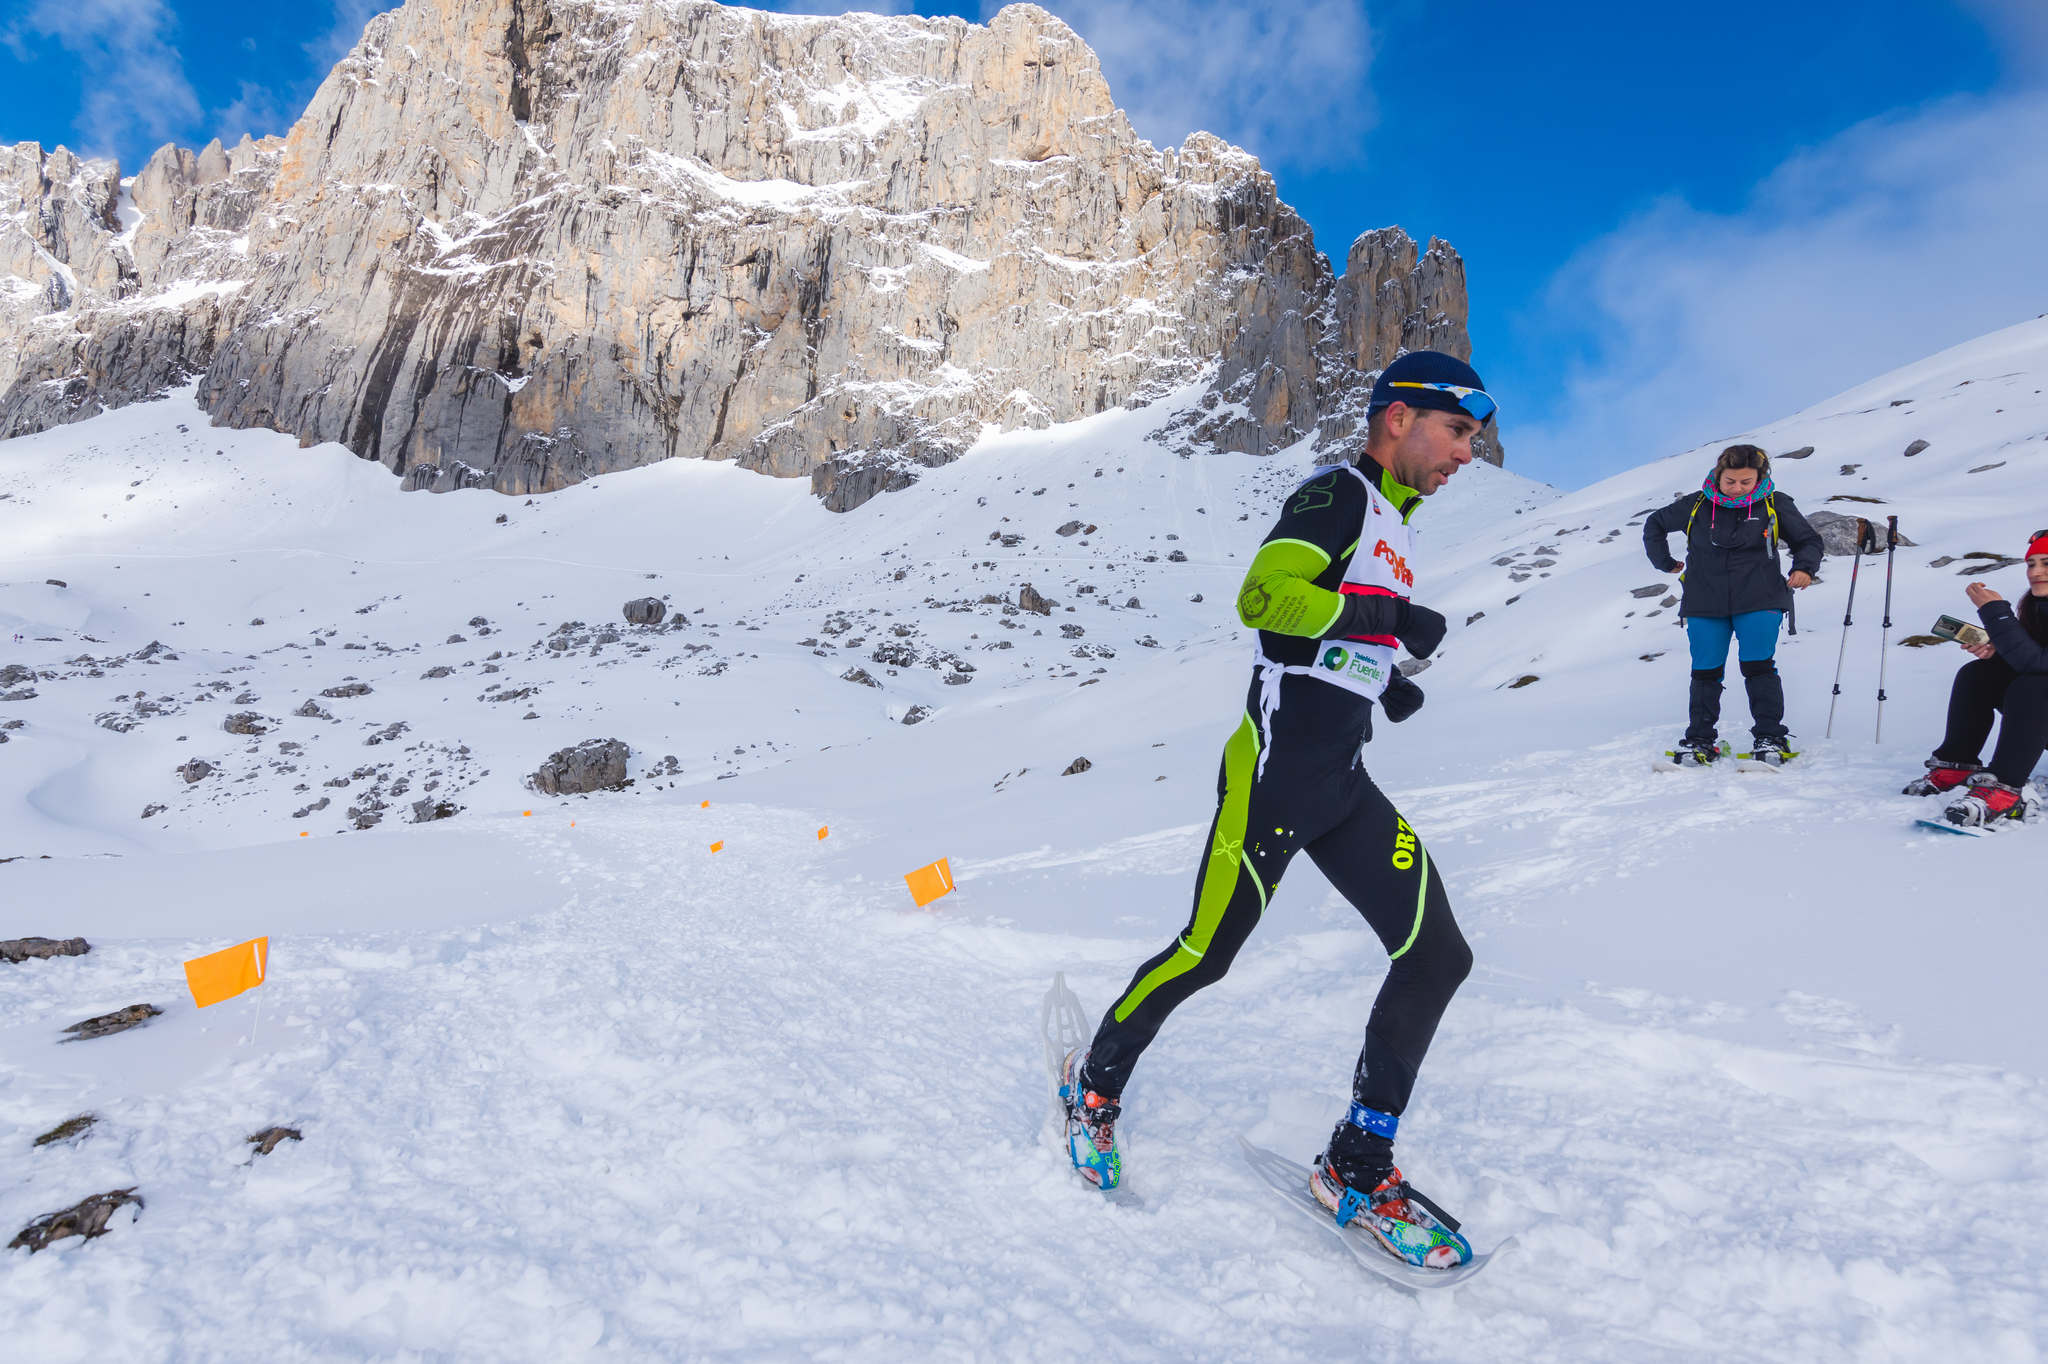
(2009, 675)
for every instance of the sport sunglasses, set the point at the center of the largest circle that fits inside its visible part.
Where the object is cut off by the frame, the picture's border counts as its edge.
(1476, 403)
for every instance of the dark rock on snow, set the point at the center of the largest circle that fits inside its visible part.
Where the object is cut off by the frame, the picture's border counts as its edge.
(121, 1020)
(87, 1218)
(22, 949)
(593, 765)
(71, 1129)
(1838, 533)
(267, 1140)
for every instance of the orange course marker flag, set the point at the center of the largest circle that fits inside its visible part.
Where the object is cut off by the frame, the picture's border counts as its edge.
(715, 847)
(228, 972)
(929, 883)
(823, 829)
(704, 805)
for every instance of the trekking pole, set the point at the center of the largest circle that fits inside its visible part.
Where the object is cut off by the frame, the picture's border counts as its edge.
(1865, 538)
(1891, 552)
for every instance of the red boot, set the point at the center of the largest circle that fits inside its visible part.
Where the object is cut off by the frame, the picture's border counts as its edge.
(1942, 775)
(1986, 800)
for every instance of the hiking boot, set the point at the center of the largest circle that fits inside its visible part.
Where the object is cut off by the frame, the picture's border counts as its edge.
(1404, 1223)
(1771, 748)
(1091, 1126)
(1942, 775)
(1986, 800)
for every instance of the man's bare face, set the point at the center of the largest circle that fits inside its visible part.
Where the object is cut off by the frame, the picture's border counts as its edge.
(1429, 446)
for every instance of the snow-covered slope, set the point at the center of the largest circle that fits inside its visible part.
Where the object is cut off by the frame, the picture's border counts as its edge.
(1738, 1047)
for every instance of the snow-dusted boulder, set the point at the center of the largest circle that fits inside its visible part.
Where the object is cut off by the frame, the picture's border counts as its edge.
(593, 765)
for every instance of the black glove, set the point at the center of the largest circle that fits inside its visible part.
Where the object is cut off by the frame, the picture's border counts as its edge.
(1401, 699)
(1419, 629)
(1416, 627)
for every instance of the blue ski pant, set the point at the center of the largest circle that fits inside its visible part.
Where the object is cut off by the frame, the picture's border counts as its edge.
(1754, 633)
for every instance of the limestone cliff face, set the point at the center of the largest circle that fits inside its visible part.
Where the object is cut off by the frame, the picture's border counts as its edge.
(515, 243)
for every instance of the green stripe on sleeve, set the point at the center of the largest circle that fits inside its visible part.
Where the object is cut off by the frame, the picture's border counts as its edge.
(1280, 594)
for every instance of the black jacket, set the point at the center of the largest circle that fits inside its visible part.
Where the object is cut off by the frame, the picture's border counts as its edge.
(2019, 642)
(1730, 564)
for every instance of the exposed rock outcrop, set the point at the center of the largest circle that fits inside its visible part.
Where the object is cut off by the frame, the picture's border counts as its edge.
(593, 765)
(516, 243)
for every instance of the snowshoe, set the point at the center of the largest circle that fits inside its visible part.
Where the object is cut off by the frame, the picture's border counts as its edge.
(1696, 751)
(1985, 800)
(1769, 750)
(1091, 1126)
(1942, 776)
(1403, 1222)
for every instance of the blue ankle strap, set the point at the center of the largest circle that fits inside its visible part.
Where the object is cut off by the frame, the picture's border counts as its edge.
(1373, 1121)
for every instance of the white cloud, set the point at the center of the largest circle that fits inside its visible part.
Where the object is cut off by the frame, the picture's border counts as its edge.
(1286, 82)
(2021, 28)
(134, 79)
(1891, 241)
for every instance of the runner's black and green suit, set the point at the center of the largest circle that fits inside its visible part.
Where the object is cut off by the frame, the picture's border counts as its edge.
(1293, 780)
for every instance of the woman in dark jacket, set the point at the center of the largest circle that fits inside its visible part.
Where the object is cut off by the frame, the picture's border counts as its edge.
(2009, 674)
(1735, 590)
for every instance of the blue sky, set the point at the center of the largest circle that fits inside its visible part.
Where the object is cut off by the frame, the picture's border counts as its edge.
(1674, 226)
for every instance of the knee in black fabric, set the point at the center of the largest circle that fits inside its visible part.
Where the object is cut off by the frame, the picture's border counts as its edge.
(1759, 667)
(1457, 962)
(1438, 961)
(1713, 675)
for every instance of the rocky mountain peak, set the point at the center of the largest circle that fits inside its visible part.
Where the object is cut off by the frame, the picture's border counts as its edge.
(516, 243)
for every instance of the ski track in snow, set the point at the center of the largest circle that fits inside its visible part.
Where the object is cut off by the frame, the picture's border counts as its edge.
(1747, 1066)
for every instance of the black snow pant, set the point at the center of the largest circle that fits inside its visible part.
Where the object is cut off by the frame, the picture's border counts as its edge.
(1766, 701)
(1985, 685)
(1291, 782)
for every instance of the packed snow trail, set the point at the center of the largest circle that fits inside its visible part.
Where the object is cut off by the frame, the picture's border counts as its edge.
(729, 1106)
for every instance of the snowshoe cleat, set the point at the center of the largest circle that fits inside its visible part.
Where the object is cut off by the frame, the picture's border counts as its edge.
(1985, 800)
(1696, 751)
(1404, 1223)
(1771, 749)
(1942, 776)
(1091, 1127)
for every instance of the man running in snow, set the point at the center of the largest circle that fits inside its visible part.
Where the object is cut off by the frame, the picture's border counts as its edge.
(1328, 594)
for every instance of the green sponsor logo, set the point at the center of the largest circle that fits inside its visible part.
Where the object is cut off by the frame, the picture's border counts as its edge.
(1335, 658)
(1317, 495)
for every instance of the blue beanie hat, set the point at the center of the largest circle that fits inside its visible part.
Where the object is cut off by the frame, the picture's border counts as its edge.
(1428, 367)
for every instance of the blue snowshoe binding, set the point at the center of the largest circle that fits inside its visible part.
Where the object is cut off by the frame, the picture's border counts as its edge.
(1091, 1127)
(1404, 1223)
